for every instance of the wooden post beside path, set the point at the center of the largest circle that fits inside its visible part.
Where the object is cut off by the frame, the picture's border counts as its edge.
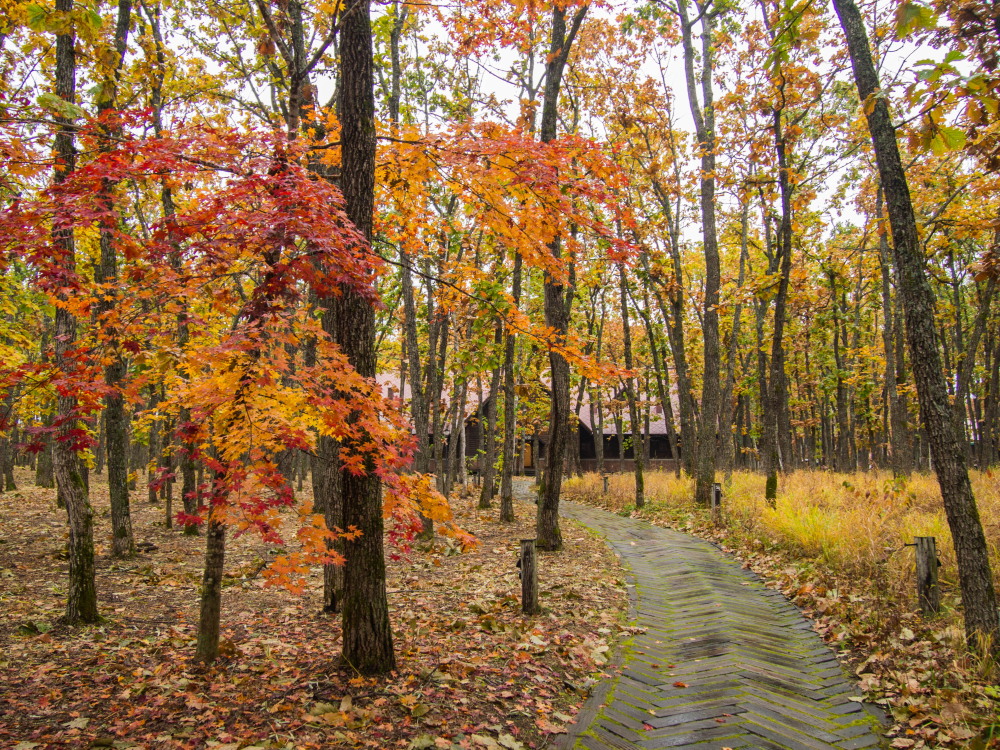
(529, 578)
(928, 593)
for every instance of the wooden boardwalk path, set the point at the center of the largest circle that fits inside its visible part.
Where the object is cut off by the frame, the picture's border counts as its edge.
(724, 662)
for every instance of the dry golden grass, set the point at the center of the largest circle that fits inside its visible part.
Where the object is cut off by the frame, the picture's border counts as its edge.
(854, 524)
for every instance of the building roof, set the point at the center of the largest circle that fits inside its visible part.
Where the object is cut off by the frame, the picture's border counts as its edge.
(657, 424)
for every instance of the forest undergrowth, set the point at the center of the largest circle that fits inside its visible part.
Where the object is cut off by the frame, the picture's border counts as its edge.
(835, 545)
(473, 671)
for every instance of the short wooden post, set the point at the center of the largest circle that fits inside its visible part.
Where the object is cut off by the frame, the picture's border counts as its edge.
(928, 593)
(604, 478)
(716, 497)
(529, 578)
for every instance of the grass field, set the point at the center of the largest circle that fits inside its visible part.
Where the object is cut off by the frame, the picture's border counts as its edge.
(855, 524)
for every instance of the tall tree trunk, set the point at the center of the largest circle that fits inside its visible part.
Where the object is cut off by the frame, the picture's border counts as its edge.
(557, 299)
(509, 404)
(777, 393)
(418, 406)
(367, 638)
(658, 357)
(638, 446)
(967, 358)
(454, 438)
(331, 492)
(899, 450)
(703, 113)
(154, 445)
(101, 451)
(842, 456)
(210, 614)
(8, 428)
(106, 274)
(489, 439)
(418, 403)
(727, 445)
(43, 465)
(975, 578)
(435, 386)
(675, 332)
(81, 603)
(7, 455)
(991, 449)
(597, 420)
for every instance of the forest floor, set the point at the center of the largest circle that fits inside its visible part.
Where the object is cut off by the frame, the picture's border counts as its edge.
(835, 545)
(473, 672)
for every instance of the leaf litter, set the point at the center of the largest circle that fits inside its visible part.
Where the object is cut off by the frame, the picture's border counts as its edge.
(473, 672)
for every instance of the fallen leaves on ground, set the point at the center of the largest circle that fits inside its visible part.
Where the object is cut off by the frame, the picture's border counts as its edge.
(473, 672)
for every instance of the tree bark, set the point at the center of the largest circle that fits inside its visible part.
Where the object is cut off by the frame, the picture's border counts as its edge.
(975, 577)
(557, 298)
(106, 274)
(674, 319)
(210, 615)
(638, 449)
(367, 639)
(43, 465)
(899, 449)
(777, 393)
(727, 445)
(81, 603)
(8, 424)
(703, 113)
(509, 405)
(488, 433)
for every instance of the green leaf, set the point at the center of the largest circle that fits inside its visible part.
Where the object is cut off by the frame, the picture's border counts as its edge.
(93, 19)
(61, 107)
(36, 17)
(912, 16)
(953, 138)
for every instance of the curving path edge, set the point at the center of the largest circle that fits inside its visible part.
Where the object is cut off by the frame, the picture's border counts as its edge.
(723, 662)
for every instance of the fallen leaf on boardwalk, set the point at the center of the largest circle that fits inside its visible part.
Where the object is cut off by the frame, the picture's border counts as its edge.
(680, 685)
